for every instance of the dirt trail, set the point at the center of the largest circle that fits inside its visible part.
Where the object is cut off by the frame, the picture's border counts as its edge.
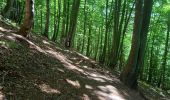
(36, 69)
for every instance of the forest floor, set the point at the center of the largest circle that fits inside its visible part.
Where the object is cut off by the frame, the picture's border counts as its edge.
(37, 69)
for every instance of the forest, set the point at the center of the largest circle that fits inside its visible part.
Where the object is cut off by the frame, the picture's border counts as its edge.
(128, 38)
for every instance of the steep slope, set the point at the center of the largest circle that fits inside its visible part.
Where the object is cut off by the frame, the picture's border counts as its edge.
(38, 69)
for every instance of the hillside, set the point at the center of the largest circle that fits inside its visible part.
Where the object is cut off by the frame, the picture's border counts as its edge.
(37, 69)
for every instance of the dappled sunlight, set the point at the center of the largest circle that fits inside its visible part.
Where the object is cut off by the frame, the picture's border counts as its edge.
(85, 57)
(2, 96)
(85, 97)
(31, 44)
(4, 45)
(4, 30)
(88, 87)
(76, 83)
(46, 42)
(98, 77)
(1, 35)
(11, 38)
(47, 89)
(64, 60)
(60, 70)
(108, 92)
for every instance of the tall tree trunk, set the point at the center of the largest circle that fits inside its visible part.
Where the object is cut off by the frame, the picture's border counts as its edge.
(47, 18)
(57, 22)
(116, 35)
(85, 20)
(63, 30)
(89, 40)
(103, 55)
(151, 61)
(130, 72)
(41, 20)
(28, 19)
(73, 22)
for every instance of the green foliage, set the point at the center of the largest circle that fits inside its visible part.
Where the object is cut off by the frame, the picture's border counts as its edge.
(96, 21)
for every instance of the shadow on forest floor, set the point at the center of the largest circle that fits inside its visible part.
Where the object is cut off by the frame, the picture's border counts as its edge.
(36, 69)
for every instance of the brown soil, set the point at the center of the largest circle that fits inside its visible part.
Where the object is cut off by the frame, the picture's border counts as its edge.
(38, 69)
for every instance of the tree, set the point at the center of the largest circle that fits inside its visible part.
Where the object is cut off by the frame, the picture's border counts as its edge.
(28, 19)
(164, 62)
(47, 18)
(13, 10)
(73, 22)
(130, 72)
(6, 11)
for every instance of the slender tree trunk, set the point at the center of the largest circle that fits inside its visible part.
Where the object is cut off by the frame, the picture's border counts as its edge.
(47, 18)
(88, 42)
(41, 20)
(85, 20)
(97, 46)
(63, 31)
(103, 56)
(116, 35)
(151, 61)
(57, 22)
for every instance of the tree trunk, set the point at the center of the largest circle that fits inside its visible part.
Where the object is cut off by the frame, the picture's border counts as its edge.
(130, 72)
(63, 30)
(103, 55)
(73, 22)
(47, 18)
(88, 42)
(28, 19)
(84, 26)
(57, 22)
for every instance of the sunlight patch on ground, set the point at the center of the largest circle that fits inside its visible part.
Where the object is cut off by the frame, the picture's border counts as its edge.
(45, 42)
(48, 89)
(85, 97)
(1, 35)
(3, 29)
(88, 87)
(11, 38)
(98, 77)
(83, 56)
(61, 70)
(2, 97)
(108, 92)
(76, 83)
(64, 60)
(3, 44)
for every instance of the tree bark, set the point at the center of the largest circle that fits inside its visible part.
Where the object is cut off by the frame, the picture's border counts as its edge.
(28, 19)
(130, 72)
(47, 18)
(73, 22)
